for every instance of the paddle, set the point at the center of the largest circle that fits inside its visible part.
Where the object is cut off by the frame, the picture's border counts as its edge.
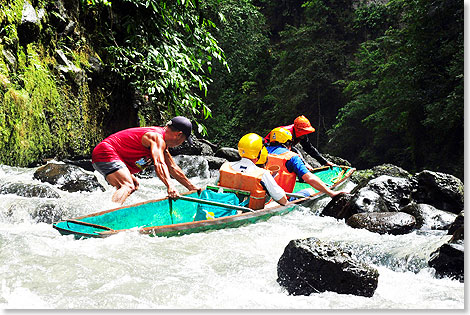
(214, 203)
(296, 195)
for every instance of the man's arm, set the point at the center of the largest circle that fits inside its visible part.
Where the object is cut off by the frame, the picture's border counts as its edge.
(157, 147)
(177, 172)
(316, 183)
(274, 190)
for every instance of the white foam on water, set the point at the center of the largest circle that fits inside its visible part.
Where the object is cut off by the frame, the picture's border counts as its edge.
(225, 269)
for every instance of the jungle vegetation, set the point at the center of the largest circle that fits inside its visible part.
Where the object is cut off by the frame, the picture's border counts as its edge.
(381, 81)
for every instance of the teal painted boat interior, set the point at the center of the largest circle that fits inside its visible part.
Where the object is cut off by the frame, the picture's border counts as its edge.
(163, 212)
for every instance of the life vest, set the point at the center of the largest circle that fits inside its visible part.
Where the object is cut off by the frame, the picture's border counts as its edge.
(250, 181)
(284, 178)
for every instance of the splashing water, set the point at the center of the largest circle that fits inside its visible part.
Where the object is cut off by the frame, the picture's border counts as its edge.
(225, 269)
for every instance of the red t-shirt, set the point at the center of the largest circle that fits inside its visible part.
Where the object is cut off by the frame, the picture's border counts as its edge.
(126, 145)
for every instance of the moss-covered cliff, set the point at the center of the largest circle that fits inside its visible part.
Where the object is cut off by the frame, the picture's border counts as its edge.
(49, 104)
(75, 71)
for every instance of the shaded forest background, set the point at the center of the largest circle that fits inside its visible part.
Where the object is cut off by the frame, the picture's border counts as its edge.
(381, 81)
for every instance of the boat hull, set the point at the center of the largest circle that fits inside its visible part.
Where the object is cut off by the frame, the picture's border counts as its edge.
(165, 217)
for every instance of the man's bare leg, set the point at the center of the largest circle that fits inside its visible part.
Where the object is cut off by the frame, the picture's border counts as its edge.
(124, 182)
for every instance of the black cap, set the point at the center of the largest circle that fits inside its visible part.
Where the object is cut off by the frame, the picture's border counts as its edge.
(184, 125)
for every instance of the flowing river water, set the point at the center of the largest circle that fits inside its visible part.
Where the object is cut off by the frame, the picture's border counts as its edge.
(225, 269)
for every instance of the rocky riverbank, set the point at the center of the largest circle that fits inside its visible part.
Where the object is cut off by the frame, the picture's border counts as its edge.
(386, 200)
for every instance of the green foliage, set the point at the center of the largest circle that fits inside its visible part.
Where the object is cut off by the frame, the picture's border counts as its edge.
(407, 92)
(236, 96)
(309, 60)
(25, 133)
(165, 51)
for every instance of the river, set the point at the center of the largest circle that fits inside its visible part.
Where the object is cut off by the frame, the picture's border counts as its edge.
(226, 269)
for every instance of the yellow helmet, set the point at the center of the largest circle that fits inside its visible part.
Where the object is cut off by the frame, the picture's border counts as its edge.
(280, 135)
(250, 146)
(263, 156)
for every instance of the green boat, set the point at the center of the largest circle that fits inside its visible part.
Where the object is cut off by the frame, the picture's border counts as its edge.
(171, 217)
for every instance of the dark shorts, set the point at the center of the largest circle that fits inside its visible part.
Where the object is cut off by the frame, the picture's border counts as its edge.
(106, 168)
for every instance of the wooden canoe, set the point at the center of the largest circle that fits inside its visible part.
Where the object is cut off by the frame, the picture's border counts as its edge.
(167, 217)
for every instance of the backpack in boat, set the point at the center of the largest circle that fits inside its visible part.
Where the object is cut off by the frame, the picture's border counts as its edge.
(208, 212)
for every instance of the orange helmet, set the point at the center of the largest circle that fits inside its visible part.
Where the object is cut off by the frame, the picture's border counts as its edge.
(302, 126)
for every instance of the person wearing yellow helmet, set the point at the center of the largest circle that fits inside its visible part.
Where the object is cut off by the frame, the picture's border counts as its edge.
(246, 175)
(300, 130)
(291, 165)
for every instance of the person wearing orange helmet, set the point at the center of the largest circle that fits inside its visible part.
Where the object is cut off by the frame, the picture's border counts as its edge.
(300, 130)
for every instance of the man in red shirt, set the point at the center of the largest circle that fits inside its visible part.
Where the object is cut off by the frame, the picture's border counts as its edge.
(121, 155)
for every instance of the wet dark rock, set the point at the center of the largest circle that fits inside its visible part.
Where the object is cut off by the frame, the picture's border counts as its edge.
(443, 191)
(448, 261)
(457, 225)
(69, 70)
(83, 163)
(395, 223)
(395, 191)
(28, 190)
(344, 206)
(10, 59)
(68, 177)
(29, 28)
(336, 160)
(58, 15)
(48, 213)
(377, 171)
(194, 166)
(81, 184)
(428, 217)
(213, 147)
(310, 266)
(340, 207)
(95, 66)
(367, 200)
(229, 154)
(306, 157)
(186, 149)
(215, 162)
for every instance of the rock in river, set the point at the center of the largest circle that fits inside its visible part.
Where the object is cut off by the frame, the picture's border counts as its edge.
(311, 266)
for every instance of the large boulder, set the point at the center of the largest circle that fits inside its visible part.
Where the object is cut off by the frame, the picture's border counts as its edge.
(394, 191)
(29, 28)
(193, 166)
(336, 160)
(48, 213)
(229, 154)
(384, 169)
(306, 157)
(68, 69)
(457, 225)
(29, 190)
(70, 178)
(197, 148)
(443, 191)
(310, 266)
(428, 217)
(215, 162)
(340, 207)
(83, 163)
(448, 260)
(395, 223)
